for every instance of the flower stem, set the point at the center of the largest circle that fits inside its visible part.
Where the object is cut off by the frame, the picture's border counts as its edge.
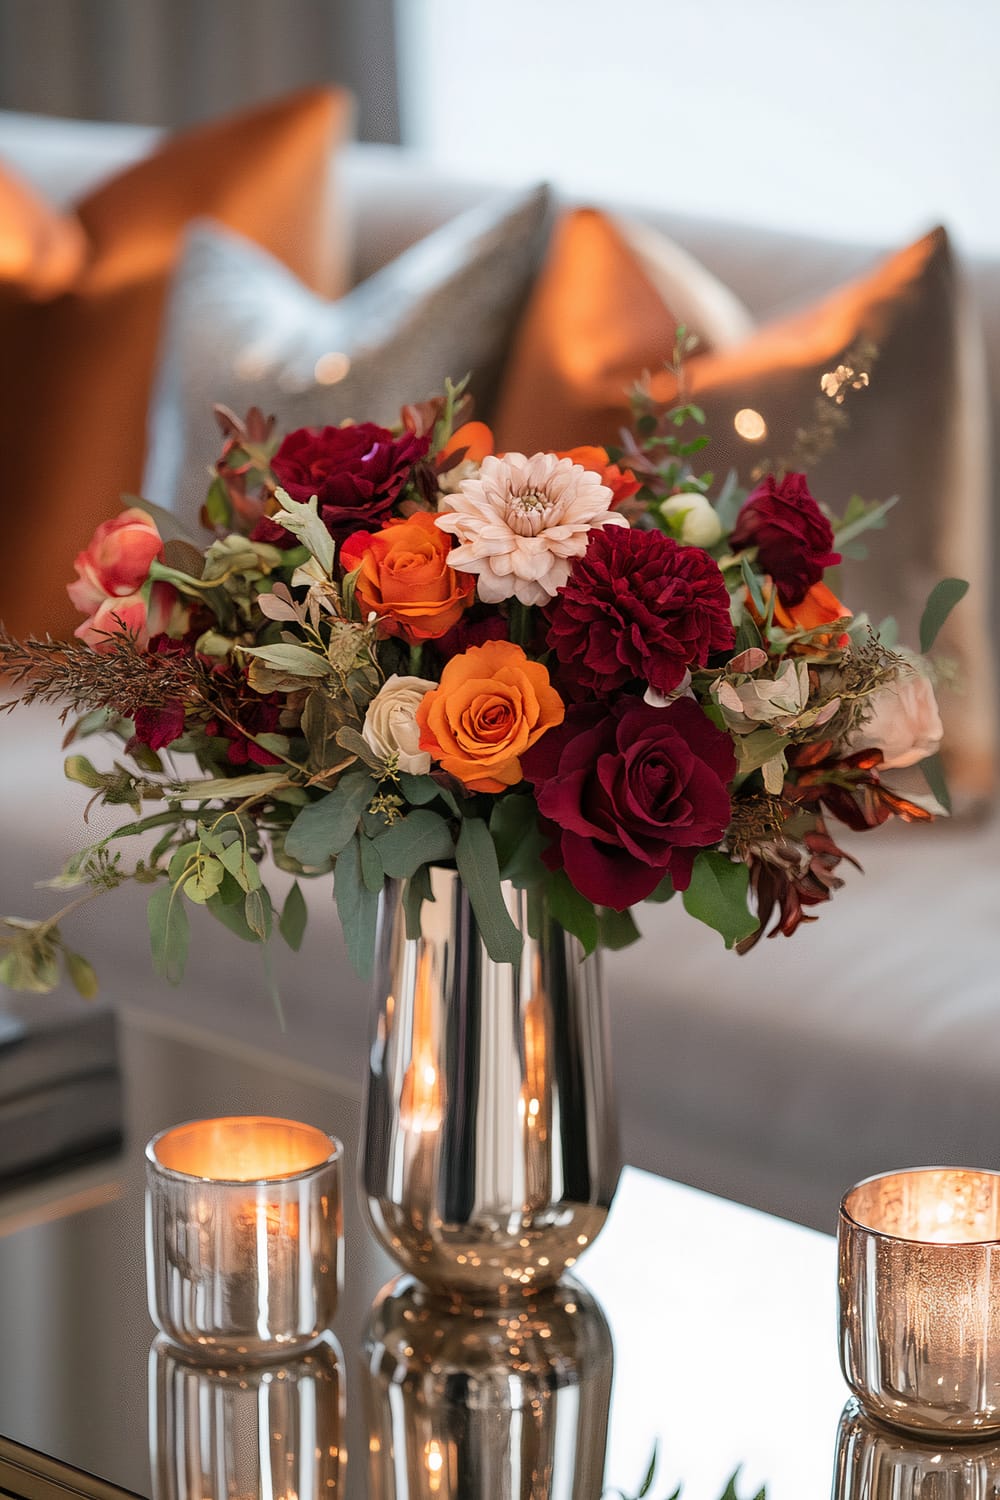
(416, 658)
(520, 622)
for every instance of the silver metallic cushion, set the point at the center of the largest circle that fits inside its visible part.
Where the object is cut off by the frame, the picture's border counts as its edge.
(243, 331)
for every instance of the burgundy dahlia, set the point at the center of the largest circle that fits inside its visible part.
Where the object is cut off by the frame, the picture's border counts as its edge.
(356, 472)
(638, 605)
(630, 793)
(794, 540)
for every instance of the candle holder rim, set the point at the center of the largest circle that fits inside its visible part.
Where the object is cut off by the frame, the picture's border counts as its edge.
(335, 1154)
(908, 1239)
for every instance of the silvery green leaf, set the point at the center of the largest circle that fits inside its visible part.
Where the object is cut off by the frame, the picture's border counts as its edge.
(304, 522)
(284, 657)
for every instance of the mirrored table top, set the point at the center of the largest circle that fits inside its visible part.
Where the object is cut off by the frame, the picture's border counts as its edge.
(719, 1324)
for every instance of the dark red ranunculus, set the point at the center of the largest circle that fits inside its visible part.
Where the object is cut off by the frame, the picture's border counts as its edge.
(356, 472)
(159, 727)
(630, 793)
(794, 540)
(638, 605)
(257, 716)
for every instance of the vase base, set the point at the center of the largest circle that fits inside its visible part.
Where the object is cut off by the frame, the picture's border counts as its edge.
(481, 1261)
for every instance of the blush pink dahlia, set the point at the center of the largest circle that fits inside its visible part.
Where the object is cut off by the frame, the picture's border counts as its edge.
(521, 521)
(639, 606)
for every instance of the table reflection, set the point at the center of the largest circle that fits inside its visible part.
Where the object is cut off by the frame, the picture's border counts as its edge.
(876, 1463)
(225, 1433)
(470, 1401)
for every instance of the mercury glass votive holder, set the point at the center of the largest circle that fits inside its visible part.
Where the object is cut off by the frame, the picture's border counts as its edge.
(919, 1279)
(244, 1235)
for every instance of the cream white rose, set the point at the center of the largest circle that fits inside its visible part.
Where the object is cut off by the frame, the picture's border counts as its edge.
(694, 520)
(390, 726)
(904, 722)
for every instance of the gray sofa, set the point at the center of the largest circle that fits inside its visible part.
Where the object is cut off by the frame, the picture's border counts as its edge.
(870, 1040)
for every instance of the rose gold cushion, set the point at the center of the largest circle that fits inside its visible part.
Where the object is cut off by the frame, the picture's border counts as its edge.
(79, 332)
(920, 431)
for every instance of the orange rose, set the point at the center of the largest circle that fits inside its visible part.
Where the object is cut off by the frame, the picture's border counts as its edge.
(405, 578)
(621, 482)
(820, 606)
(490, 705)
(474, 441)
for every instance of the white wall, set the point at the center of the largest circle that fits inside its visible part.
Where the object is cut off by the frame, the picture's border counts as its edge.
(862, 119)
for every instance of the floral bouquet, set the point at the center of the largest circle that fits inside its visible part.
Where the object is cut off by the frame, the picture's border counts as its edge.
(573, 671)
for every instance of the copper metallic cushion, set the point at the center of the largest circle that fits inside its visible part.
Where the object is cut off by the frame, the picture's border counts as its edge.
(920, 431)
(81, 299)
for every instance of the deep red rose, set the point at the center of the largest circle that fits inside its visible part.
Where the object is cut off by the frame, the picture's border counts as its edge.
(630, 793)
(357, 472)
(794, 540)
(268, 531)
(638, 605)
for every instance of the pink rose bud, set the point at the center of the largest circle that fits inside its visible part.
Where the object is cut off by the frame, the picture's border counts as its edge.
(116, 562)
(129, 615)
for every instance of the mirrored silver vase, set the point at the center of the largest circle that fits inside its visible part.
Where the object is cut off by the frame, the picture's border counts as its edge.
(490, 1151)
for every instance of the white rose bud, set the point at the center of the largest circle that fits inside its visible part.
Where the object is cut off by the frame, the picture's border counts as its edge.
(694, 520)
(391, 727)
(904, 722)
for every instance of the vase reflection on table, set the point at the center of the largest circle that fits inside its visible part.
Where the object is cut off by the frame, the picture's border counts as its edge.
(490, 1148)
(477, 1401)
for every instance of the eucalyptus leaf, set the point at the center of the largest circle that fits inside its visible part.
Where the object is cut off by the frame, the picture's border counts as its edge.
(236, 858)
(372, 872)
(416, 891)
(169, 932)
(518, 839)
(717, 896)
(753, 585)
(943, 598)
(324, 828)
(573, 911)
(81, 974)
(419, 790)
(357, 908)
(231, 914)
(294, 916)
(257, 911)
(421, 838)
(933, 772)
(476, 857)
(617, 929)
